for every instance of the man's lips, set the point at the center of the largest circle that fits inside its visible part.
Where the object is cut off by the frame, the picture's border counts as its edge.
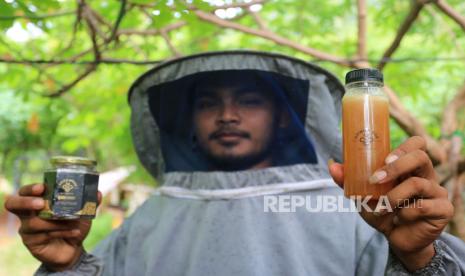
(229, 135)
(229, 138)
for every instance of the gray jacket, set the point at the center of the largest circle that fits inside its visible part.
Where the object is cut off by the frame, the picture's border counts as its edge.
(204, 222)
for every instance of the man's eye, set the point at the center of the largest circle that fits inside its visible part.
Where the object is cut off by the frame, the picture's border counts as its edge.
(205, 103)
(251, 101)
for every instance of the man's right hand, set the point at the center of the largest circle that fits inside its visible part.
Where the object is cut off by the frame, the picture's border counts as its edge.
(56, 243)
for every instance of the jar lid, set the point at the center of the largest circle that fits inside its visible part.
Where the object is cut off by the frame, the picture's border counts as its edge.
(72, 160)
(365, 74)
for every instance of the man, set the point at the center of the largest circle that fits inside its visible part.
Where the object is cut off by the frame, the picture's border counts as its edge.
(224, 130)
(237, 119)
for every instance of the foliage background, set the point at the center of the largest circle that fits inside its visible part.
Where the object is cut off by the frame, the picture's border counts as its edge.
(92, 117)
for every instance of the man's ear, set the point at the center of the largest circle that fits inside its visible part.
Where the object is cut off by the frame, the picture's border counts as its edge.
(284, 118)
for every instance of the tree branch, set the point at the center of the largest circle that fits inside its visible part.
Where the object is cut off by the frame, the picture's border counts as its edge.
(91, 68)
(75, 29)
(449, 11)
(362, 29)
(458, 221)
(49, 76)
(99, 18)
(270, 36)
(445, 171)
(80, 62)
(258, 19)
(413, 14)
(455, 187)
(121, 13)
(449, 118)
(438, 17)
(74, 59)
(93, 36)
(173, 49)
(88, 14)
(412, 126)
(93, 29)
(36, 66)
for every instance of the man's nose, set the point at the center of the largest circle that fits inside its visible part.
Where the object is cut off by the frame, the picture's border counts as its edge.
(229, 114)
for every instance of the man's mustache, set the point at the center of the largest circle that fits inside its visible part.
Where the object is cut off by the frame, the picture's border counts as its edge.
(228, 131)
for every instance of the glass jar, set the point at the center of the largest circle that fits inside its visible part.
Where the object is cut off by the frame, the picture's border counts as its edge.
(71, 188)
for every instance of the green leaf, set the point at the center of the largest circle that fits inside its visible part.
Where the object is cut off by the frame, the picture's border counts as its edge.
(6, 12)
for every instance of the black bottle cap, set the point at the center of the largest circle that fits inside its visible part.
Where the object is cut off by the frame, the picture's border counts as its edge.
(365, 74)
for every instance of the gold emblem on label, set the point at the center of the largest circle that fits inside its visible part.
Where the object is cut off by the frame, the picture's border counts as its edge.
(366, 136)
(67, 185)
(89, 209)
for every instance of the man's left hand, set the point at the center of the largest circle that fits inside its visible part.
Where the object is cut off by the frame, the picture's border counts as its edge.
(411, 228)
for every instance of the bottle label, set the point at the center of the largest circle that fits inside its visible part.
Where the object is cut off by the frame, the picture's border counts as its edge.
(366, 137)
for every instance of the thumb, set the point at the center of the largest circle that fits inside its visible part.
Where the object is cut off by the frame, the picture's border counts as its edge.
(336, 170)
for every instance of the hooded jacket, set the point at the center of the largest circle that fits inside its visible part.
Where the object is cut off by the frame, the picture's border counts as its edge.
(204, 222)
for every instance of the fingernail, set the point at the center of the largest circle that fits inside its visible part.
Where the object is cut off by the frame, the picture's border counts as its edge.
(36, 188)
(391, 158)
(377, 176)
(38, 203)
(395, 220)
(76, 232)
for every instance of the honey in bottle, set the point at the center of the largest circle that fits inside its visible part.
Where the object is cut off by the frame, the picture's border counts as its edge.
(365, 127)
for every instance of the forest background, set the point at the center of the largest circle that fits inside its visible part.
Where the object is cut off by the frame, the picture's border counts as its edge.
(66, 66)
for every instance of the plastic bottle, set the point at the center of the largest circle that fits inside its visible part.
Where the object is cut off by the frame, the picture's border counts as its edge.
(365, 126)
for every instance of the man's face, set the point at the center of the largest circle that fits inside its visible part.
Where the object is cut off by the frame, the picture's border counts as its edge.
(234, 126)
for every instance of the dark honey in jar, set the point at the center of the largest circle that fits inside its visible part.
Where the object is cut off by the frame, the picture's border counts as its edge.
(71, 188)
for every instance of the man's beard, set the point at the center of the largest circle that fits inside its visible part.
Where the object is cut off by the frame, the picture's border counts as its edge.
(232, 162)
(236, 163)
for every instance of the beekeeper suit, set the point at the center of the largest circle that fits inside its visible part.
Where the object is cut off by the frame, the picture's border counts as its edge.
(220, 215)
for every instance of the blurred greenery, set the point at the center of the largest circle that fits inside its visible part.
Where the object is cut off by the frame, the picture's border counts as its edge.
(15, 258)
(101, 227)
